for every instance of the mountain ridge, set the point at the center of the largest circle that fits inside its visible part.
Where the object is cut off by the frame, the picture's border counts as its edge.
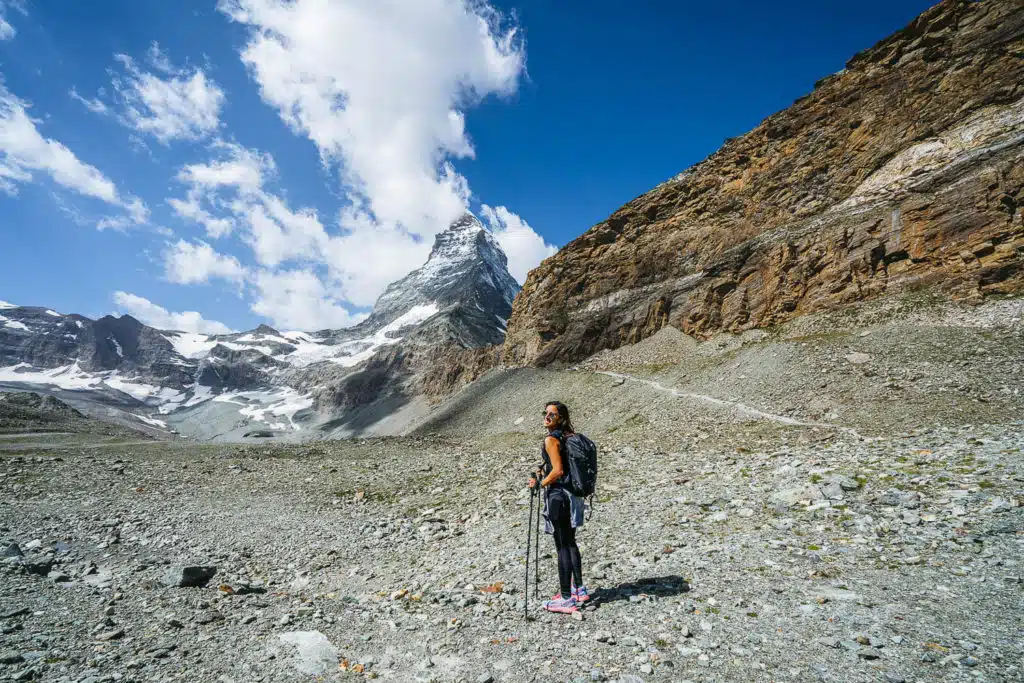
(461, 297)
(902, 170)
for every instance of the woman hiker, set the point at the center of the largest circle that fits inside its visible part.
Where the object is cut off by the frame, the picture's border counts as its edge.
(563, 512)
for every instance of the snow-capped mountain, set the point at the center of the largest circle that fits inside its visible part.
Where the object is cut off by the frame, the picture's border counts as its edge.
(223, 386)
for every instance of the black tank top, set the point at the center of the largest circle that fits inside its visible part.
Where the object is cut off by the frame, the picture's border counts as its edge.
(563, 480)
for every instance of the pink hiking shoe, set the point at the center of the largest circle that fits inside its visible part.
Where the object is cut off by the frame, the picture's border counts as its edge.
(561, 605)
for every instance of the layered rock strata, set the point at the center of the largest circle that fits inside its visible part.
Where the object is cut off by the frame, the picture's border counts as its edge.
(903, 170)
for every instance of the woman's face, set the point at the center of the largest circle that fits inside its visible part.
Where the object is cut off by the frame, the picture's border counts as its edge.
(551, 418)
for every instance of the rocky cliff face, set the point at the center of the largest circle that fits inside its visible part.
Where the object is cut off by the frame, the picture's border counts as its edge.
(903, 170)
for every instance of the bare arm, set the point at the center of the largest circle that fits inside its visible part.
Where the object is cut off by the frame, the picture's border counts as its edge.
(554, 449)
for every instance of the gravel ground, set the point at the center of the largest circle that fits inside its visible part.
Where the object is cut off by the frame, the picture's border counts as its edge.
(835, 560)
(722, 547)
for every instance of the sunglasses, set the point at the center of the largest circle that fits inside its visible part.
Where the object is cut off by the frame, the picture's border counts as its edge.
(547, 414)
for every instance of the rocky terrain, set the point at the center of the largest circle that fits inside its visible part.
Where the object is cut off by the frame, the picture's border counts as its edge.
(291, 384)
(747, 526)
(801, 361)
(901, 171)
(28, 412)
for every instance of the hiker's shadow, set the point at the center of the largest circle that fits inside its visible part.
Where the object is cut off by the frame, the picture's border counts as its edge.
(641, 590)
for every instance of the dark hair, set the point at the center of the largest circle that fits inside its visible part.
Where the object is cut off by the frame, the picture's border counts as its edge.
(563, 415)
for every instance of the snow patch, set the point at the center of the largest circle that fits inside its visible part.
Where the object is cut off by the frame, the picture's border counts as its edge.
(152, 421)
(413, 316)
(265, 350)
(53, 313)
(13, 324)
(199, 395)
(73, 378)
(68, 377)
(264, 406)
(359, 350)
(117, 346)
(190, 344)
(250, 338)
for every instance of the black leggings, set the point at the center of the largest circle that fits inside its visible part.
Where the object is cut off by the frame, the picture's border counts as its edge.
(570, 566)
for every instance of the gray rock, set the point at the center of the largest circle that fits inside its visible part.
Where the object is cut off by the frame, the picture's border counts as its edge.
(848, 484)
(309, 652)
(111, 635)
(58, 576)
(37, 564)
(185, 576)
(792, 496)
(10, 657)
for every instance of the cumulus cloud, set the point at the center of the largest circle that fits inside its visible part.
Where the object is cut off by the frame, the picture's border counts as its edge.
(159, 317)
(224, 185)
(192, 209)
(24, 150)
(238, 167)
(297, 299)
(383, 95)
(381, 91)
(188, 263)
(167, 103)
(523, 246)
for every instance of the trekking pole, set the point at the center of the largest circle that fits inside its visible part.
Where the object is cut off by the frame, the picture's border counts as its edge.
(526, 582)
(536, 548)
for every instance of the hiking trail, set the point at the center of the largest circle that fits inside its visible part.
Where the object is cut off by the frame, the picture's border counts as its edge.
(730, 405)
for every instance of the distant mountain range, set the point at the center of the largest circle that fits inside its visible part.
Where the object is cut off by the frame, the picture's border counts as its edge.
(267, 382)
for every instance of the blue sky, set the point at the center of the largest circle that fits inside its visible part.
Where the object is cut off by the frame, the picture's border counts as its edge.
(212, 166)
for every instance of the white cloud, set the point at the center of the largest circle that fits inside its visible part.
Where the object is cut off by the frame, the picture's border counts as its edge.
(380, 90)
(24, 150)
(297, 299)
(159, 317)
(177, 104)
(523, 246)
(368, 257)
(6, 30)
(187, 263)
(243, 168)
(95, 105)
(241, 171)
(191, 209)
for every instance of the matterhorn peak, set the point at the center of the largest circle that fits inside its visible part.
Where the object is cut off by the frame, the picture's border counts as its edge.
(466, 270)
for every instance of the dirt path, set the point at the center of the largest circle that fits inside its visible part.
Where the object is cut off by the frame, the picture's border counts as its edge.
(736, 406)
